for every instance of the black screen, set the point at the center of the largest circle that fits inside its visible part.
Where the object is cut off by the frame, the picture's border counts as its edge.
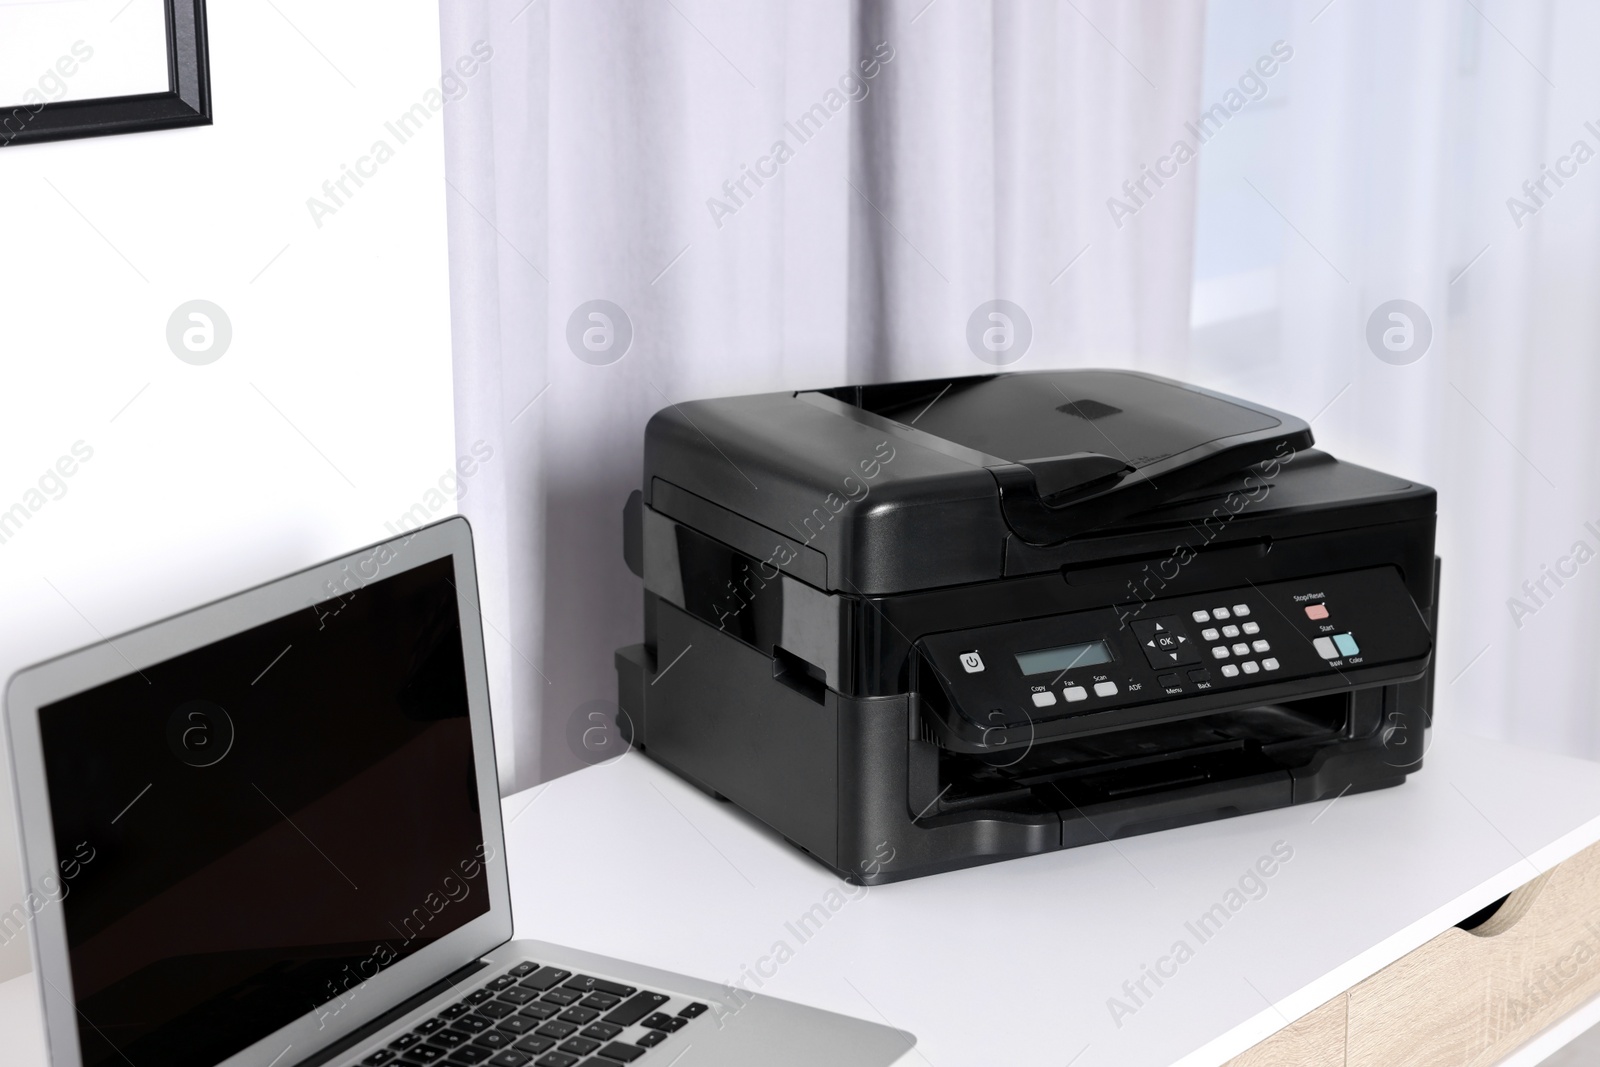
(269, 820)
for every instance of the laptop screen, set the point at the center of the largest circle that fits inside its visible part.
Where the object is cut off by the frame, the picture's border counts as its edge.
(262, 823)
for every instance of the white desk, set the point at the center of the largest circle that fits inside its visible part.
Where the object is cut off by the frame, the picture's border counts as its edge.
(1015, 962)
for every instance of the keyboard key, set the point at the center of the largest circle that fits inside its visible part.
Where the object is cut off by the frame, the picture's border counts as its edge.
(669, 1023)
(456, 1011)
(496, 1010)
(562, 997)
(603, 1001)
(626, 1053)
(509, 1058)
(523, 969)
(557, 1030)
(468, 1055)
(635, 1008)
(517, 1024)
(535, 1044)
(502, 982)
(538, 1011)
(423, 1054)
(545, 978)
(651, 1039)
(517, 995)
(449, 1038)
(693, 1011)
(616, 989)
(429, 1027)
(579, 1046)
(579, 1015)
(479, 996)
(383, 1055)
(494, 1039)
(404, 1041)
(556, 1059)
(602, 1031)
(472, 1023)
(583, 983)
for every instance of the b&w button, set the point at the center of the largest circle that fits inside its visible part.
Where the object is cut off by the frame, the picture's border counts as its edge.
(1324, 647)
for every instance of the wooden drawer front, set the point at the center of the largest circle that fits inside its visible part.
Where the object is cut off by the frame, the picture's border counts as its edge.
(1313, 1040)
(1470, 998)
(1466, 998)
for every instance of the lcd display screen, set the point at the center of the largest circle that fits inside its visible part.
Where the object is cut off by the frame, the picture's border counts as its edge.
(266, 821)
(1064, 658)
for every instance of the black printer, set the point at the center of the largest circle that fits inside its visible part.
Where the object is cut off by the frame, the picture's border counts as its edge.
(918, 626)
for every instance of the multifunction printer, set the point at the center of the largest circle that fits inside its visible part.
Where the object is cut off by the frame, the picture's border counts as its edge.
(918, 626)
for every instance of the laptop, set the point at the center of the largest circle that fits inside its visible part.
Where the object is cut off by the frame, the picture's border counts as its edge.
(268, 832)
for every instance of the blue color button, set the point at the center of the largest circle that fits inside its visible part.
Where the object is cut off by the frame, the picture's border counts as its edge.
(1346, 644)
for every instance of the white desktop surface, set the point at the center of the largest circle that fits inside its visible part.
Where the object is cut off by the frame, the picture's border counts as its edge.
(1015, 962)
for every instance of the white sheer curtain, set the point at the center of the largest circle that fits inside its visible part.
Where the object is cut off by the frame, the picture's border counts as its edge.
(590, 164)
(1381, 167)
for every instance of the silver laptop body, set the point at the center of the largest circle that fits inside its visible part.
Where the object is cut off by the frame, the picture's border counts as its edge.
(267, 832)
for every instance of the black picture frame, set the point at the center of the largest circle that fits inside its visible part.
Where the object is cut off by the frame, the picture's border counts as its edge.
(187, 101)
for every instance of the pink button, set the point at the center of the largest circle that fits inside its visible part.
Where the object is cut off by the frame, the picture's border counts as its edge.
(1316, 611)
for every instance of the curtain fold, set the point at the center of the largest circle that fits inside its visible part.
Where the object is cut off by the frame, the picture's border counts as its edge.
(768, 196)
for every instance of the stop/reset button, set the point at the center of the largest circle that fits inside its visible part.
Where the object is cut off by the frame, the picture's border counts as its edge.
(1316, 611)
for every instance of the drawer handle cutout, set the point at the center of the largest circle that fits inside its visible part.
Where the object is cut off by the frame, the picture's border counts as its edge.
(1506, 912)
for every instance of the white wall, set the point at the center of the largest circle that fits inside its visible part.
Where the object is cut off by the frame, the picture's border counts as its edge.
(330, 412)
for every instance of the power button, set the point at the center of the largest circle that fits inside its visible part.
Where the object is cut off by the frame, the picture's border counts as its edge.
(971, 662)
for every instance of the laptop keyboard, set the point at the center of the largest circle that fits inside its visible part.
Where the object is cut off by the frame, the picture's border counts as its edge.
(543, 1017)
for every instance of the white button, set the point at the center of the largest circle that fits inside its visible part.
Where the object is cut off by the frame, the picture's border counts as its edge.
(1209, 634)
(1044, 700)
(1230, 631)
(1105, 689)
(1270, 664)
(1241, 610)
(1075, 693)
(1220, 652)
(1249, 666)
(1252, 627)
(1260, 645)
(1324, 647)
(1219, 613)
(1241, 649)
(1230, 671)
(971, 662)
(1201, 616)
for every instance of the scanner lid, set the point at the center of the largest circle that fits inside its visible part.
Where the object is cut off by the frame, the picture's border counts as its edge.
(1073, 450)
(879, 489)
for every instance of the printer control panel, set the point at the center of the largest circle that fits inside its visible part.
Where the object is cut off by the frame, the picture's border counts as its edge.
(1276, 641)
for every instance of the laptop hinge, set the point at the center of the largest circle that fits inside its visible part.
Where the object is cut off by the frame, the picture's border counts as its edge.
(345, 1044)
